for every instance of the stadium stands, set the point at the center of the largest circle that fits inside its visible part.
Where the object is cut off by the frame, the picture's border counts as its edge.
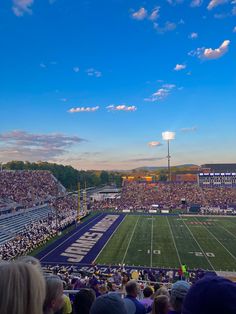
(28, 188)
(174, 195)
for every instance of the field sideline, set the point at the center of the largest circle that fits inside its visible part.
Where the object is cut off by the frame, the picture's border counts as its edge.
(167, 241)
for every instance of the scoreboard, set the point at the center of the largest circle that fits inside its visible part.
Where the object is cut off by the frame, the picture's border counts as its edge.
(215, 179)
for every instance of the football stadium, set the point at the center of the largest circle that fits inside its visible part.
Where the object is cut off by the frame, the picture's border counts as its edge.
(117, 157)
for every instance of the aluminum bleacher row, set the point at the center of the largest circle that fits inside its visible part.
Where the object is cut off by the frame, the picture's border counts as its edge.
(13, 225)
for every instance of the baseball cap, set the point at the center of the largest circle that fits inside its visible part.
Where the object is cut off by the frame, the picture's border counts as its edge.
(179, 290)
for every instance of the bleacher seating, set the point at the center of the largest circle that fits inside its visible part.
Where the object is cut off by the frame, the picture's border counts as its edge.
(13, 225)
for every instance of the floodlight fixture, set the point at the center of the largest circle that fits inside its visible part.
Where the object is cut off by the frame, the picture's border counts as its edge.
(168, 135)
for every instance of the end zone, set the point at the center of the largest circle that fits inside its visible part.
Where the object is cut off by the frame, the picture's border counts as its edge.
(83, 244)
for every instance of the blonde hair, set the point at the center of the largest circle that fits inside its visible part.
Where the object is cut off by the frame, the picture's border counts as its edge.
(53, 288)
(30, 260)
(22, 289)
(162, 291)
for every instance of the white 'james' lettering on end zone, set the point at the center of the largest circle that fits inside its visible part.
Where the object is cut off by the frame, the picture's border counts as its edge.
(79, 249)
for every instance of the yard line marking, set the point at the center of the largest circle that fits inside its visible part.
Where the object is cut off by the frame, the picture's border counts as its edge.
(198, 245)
(228, 231)
(218, 240)
(130, 239)
(151, 242)
(73, 234)
(110, 237)
(174, 241)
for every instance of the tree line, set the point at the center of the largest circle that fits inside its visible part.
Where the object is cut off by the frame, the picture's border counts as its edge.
(69, 176)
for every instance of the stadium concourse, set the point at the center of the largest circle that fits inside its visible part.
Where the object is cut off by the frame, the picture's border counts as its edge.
(35, 207)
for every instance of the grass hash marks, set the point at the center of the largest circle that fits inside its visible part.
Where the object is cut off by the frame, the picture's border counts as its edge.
(137, 253)
(187, 245)
(164, 253)
(221, 259)
(226, 241)
(114, 251)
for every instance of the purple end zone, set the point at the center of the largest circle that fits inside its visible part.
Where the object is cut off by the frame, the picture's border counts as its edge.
(52, 253)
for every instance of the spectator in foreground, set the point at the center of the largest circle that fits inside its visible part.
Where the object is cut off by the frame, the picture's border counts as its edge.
(211, 295)
(22, 289)
(147, 300)
(54, 300)
(83, 301)
(178, 293)
(162, 291)
(109, 304)
(161, 305)
(30, 260)
(133, 306)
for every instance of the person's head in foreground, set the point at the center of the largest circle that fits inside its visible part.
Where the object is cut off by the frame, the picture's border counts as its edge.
(132, 288)
(162, 291)
(108, 304)
(147, 292)
(83, 301)
(54, 300)
(211, 295)
(161, 305)
(178, 293)
(22, 289)
(30, 260)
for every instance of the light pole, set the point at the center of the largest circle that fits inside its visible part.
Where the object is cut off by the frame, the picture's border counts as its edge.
(168, 136)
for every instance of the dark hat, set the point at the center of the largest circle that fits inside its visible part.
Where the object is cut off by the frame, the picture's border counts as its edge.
(108, 304)
(211, 295)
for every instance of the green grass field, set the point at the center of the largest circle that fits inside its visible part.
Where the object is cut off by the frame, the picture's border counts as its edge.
(168, 241)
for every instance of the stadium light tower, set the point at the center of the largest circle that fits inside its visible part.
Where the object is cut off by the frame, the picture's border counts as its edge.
(168, 136)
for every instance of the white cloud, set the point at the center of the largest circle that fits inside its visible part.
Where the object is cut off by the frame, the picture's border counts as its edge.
(20, 7)
(234, 11)
(234, 30)
(76, 69)
(121, 108)
(180, 67)
(155, 14)
(214, 3)
(188, 130)
(161, 93)
(169, 86)
(140, 15)
(196, 3)
(42, 65)
(174, 2)
(93, 72)
(168, 27)
(154, 144)
(217, 53)
(209, 53)
(64, 99)
(197, 52)
(83, 109)
(193, 35)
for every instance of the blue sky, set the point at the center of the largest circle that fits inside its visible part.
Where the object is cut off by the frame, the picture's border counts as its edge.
(95, 83)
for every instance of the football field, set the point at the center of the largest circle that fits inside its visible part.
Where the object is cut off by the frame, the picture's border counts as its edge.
(168, 241)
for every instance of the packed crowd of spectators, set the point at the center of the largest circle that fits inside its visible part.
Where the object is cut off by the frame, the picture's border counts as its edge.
(39, 232)
(27, 289)
(28, 188)
(174, 195)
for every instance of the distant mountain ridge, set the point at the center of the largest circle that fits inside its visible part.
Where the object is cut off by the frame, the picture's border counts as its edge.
(151, 168)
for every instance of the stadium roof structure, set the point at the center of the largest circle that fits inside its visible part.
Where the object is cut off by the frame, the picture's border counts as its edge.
(221, 167)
